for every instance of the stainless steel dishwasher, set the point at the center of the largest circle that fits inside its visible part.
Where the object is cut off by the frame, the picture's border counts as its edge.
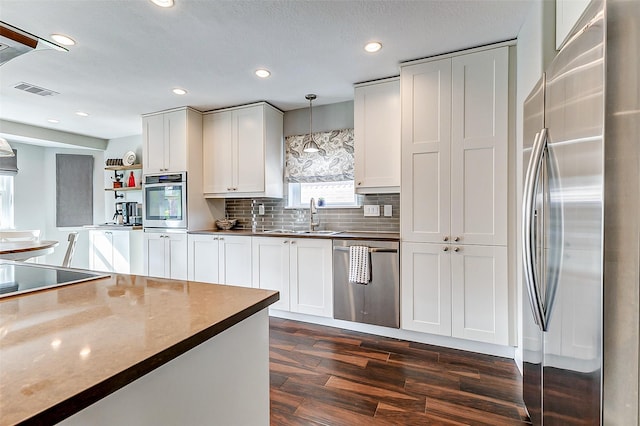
(377, 302)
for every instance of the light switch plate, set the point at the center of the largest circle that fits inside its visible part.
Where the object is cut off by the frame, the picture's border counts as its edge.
(371, 210)
(261, 209)
(388, 212)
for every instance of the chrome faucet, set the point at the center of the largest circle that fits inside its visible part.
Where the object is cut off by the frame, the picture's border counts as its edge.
(313, 210)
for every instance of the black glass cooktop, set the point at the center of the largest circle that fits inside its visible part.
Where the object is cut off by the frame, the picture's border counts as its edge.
(17, 277)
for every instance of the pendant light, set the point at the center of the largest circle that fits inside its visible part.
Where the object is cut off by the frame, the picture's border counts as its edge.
(5, 148)
(310, 145)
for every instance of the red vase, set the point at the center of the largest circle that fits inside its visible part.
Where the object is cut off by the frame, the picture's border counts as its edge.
(132, 181)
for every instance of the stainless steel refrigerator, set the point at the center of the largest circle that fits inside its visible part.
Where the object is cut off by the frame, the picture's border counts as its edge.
(580, 230)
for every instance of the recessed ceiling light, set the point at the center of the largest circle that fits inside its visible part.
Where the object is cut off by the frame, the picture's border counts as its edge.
(179, 91)
(263, 73)
(63, 39)
(82, 114)
(163, 3)
(373, 47)
(53, 120)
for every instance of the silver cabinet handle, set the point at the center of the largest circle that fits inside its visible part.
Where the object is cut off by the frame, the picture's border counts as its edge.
(456, 239)
(445, 248)
(446, 238)
(285, 242)
(293, 242)
(221, 238)
(531, 181)
(359, 183)
(229, 189)
(215, 238)
(457, 249)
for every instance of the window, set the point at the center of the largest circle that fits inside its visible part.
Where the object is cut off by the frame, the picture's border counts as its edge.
(335, 194)
(327, 174)
(6, 201)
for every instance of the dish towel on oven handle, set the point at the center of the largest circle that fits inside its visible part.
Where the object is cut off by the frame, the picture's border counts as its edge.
(359, 265)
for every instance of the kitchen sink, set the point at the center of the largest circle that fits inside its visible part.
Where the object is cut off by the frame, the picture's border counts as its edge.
(291, 232)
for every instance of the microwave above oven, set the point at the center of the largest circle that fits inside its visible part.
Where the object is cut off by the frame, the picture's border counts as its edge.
(165, 200)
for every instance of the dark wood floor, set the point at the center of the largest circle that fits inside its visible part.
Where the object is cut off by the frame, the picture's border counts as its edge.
(327, 376)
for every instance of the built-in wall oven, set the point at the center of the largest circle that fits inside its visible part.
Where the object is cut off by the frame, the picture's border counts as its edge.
(165, 200)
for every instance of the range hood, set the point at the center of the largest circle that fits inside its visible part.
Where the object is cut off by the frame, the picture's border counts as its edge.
(15, 42)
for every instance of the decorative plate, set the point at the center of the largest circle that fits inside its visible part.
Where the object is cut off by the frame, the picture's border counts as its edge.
(129, 159)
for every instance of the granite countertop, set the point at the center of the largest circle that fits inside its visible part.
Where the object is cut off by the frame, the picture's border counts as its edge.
(347, 235)
(65, 348)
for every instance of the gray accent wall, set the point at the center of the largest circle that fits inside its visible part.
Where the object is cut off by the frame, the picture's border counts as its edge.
(325, 117)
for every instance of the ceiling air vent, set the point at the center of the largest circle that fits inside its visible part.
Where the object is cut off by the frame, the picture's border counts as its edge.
(35, 89)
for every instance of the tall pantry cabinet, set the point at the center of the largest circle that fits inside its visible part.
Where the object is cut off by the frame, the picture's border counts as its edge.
(454, 186)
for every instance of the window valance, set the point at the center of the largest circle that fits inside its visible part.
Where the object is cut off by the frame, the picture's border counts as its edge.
(333, 163)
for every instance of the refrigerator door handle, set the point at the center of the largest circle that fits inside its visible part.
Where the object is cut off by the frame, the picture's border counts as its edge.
(532, 179)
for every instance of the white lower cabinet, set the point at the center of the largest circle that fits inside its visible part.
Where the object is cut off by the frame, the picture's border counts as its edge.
(115, 251)
(455, 290)
(220, 259)
(165, 255)
(300, 269)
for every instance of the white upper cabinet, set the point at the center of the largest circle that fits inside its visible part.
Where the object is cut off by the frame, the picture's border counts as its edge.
(454, 149)
(167, 137)
(426, 140)
(377, 136)
(479, 142)
(243, 152)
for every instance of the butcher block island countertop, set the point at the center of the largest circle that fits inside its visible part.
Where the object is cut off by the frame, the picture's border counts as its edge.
(65, 348)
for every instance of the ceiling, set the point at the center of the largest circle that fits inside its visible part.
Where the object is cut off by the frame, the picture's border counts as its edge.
(130, 54)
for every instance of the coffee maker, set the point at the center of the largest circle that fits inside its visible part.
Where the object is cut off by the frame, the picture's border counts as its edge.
(130, 212)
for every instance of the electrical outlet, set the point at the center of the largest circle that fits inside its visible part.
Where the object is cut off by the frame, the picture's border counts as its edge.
(388, 210)
(261, 209)
(371, 210)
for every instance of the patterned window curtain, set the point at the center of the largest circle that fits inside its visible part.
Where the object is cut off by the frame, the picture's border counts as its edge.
(333, 163)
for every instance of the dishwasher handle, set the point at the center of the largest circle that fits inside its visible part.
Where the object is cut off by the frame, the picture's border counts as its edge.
(371, 250)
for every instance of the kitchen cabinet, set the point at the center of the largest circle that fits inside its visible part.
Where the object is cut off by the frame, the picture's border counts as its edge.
(165, 255)
(454, 149)
(300, 269)
(115, 251)
(271, 259)
(243, 152)
(567, 14)
(458, 291)
(455, 140)
(311, 276)
(169, 139)
(219, 259)
(377, 136)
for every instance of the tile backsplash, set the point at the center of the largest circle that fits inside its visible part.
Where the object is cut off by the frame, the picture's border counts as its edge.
(276, 216)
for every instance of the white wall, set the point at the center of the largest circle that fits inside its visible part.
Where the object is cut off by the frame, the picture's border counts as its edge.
(35, 199)
(535, 49)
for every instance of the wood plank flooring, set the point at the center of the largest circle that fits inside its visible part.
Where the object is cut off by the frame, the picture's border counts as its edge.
(328, 376)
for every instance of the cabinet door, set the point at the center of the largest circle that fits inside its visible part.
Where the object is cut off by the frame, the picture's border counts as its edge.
(479, 142)
(217, 152)
(176, 250)
(311, 275)
(154, 144)
(120, 252)
(249, 149)
(235, 260)
(202, 256)
(100, 251)
(426, 288)
(154, 255)
(480, 301)
(175, 146)
(426, 138)
(377, 137)
(270, 260)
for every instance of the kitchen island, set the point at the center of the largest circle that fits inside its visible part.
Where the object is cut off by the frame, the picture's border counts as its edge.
(135, 350)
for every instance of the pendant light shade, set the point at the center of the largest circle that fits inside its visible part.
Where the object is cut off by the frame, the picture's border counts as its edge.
(5, 148)
(310, 145)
